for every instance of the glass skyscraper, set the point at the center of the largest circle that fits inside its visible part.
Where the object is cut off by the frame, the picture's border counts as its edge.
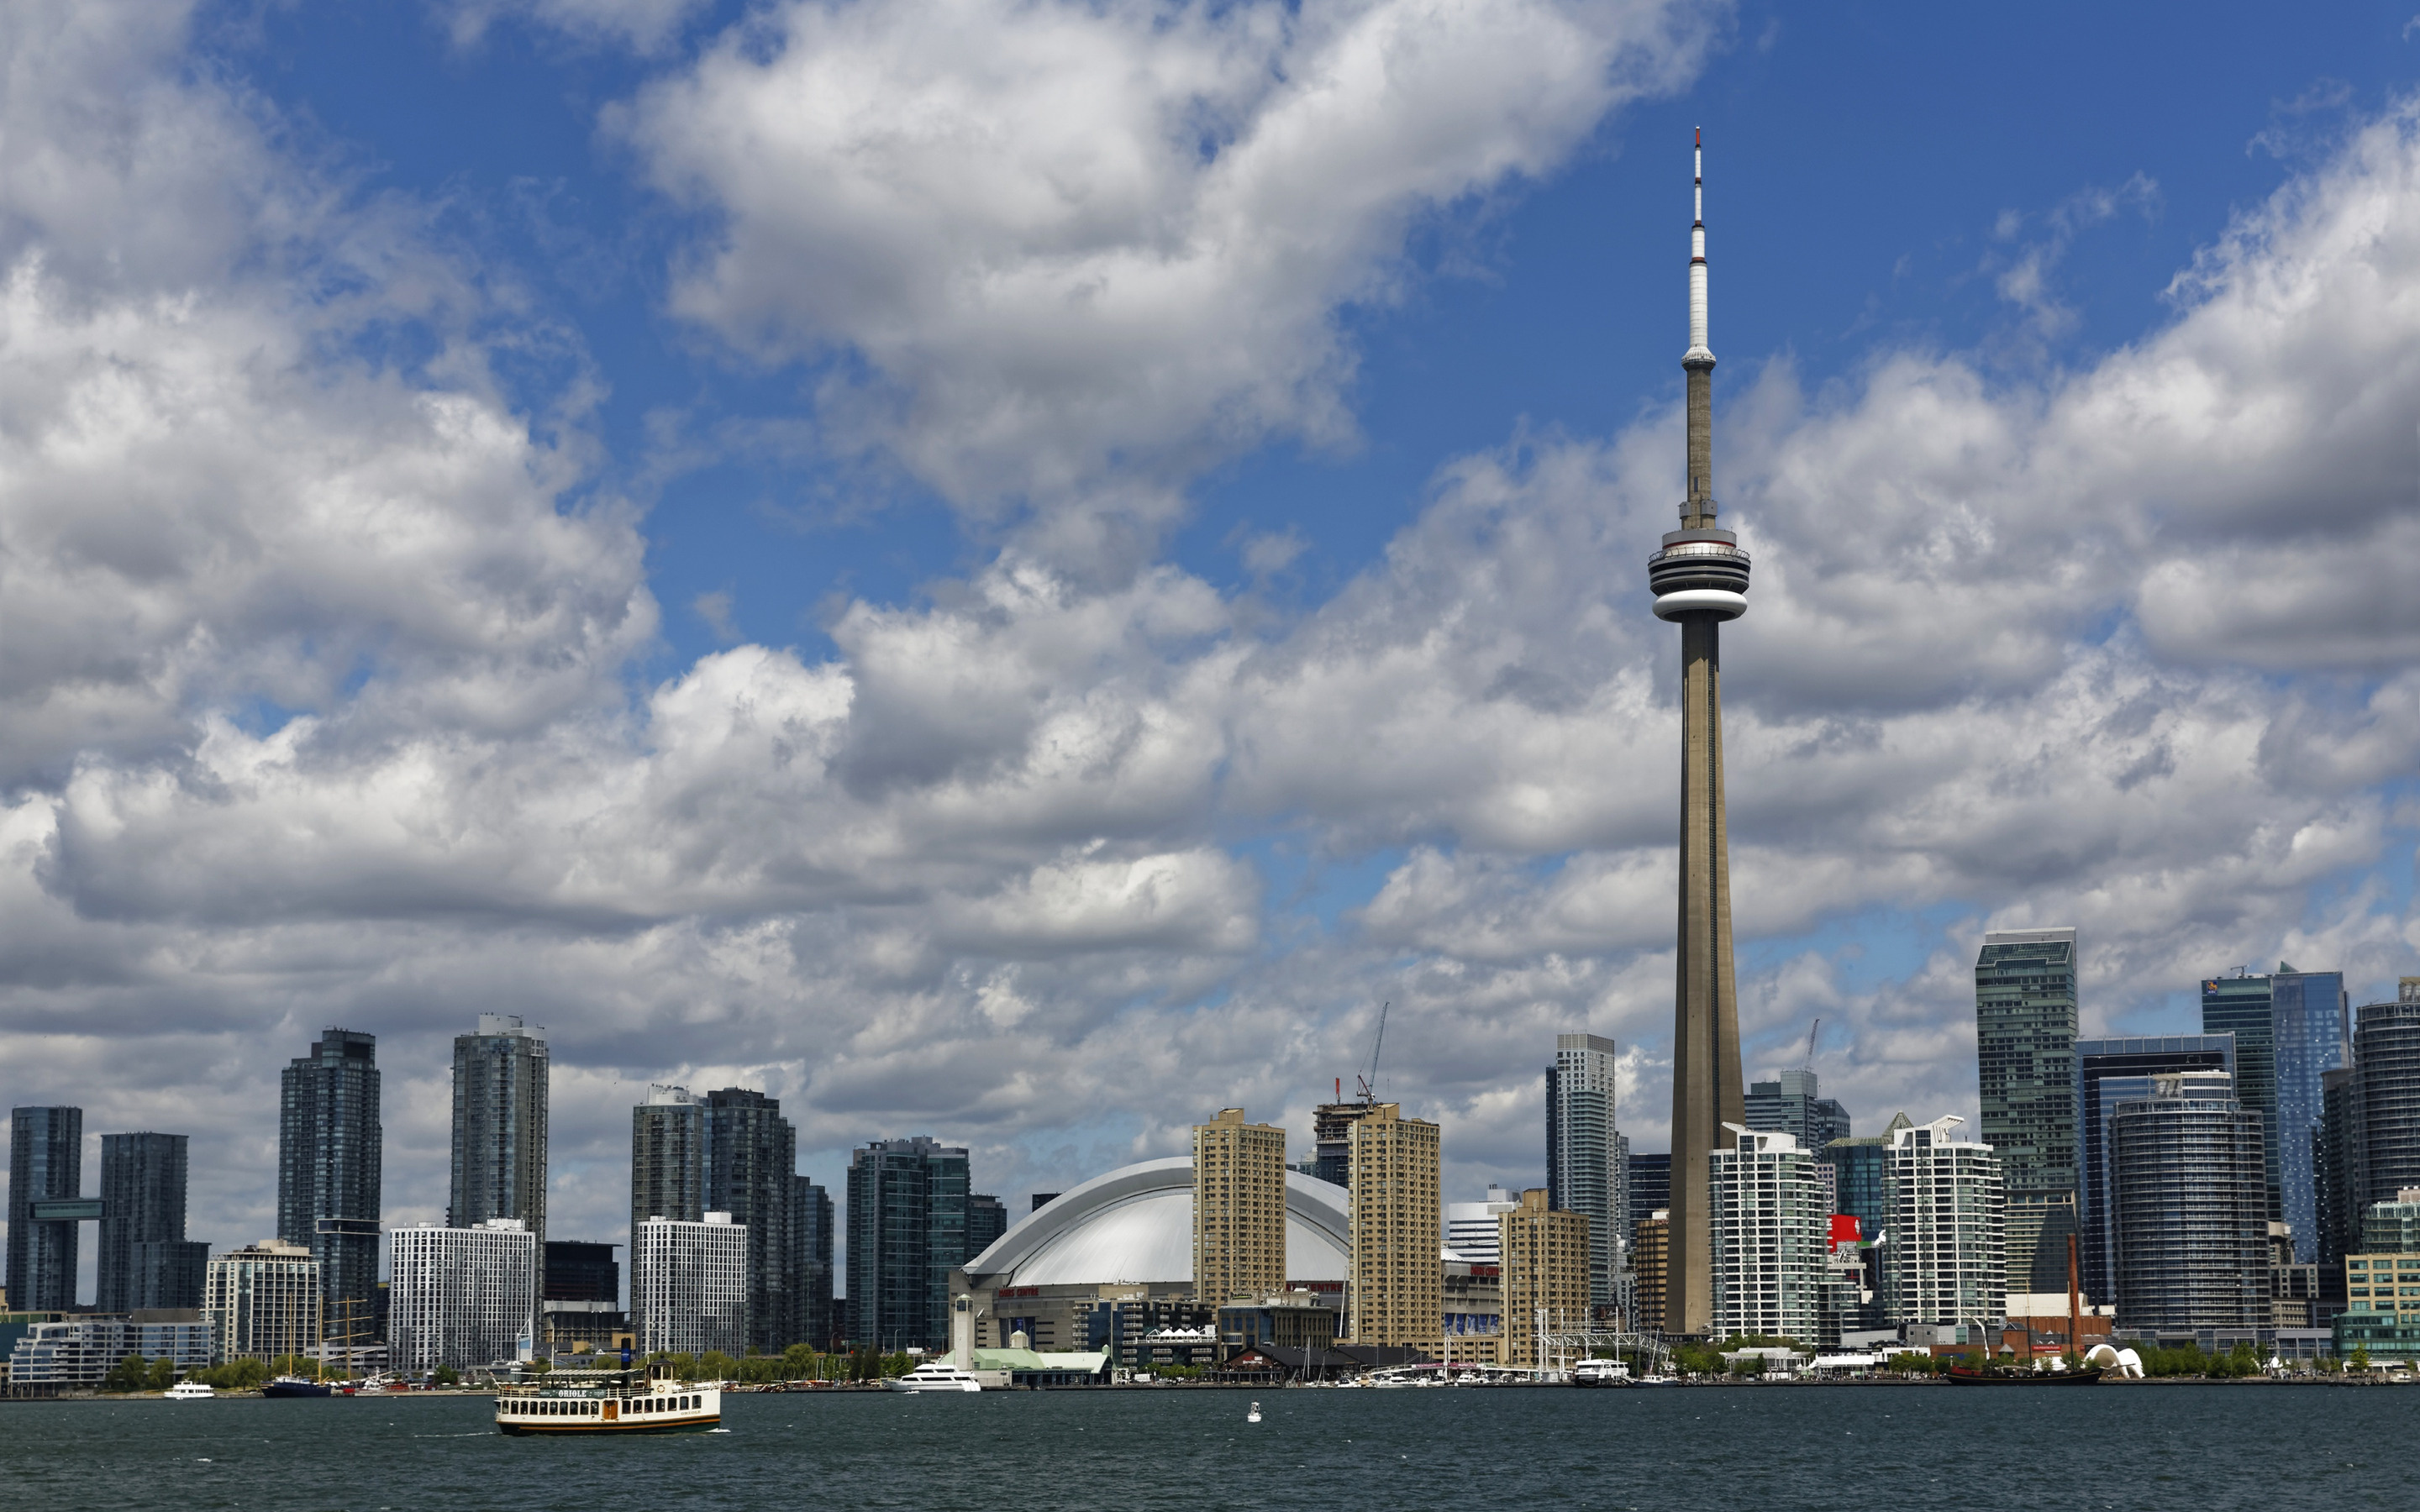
(810, 1251)
(906, 1232)
(1792, 1105)
(145, 1261)
(2368, 1147)
(668, 1157)
(45, 1163)
(2109, 1071)
(330, 1145)
(500, 1074)
(1861, 1186)
(752, 1157)
(1581, 1150)
(2290, 1031)
(2024, 1048)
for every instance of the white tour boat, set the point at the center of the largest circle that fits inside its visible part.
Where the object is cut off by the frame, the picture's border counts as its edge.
(935, 1375)
(607, 1402)
(190, 1391)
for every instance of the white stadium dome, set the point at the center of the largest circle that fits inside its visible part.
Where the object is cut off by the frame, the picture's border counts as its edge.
(1136, 1224)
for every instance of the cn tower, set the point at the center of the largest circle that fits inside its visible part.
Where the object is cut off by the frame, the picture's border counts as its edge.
(1700, 577)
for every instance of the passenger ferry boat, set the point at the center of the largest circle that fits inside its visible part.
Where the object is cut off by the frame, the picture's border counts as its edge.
(190, 1391)
(605, 1402)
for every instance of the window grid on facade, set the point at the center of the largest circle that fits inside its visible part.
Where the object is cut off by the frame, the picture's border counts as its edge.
(1397, 1230)
(461, 1297)
(689, 1286)
(1239, 1207)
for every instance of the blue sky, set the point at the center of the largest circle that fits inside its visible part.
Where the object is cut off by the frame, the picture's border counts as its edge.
(963, 569)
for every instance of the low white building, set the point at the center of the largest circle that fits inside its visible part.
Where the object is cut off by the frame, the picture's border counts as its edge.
(689, 1285)
(78, 1352)
(460, 1296)
(1771, 1233)
(264, 1300)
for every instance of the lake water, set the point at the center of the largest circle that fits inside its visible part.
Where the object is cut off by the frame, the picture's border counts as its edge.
(1870, 1449)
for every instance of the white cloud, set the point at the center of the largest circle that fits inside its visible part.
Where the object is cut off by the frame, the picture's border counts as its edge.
(1052, 250)
(980, 871)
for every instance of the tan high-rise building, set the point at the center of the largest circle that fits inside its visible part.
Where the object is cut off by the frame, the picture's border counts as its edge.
(1699, 577)
(264, 1301)
(1239, 1209)
(1648, 1252)
(1546, 1259)
(1398, 1234)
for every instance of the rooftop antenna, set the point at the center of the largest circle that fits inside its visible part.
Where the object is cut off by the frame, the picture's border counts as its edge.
(1369, 1083)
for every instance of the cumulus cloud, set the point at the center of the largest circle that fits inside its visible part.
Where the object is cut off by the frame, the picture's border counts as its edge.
(1053, 251)
(318, 688)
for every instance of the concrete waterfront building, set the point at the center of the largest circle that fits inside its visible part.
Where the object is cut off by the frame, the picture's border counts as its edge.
(146, 1262)
(751, 1159)
(2109, 1071)
(2189, 1198)
(668, 1157)
(264, 1301)
(45, 1164)
(2025, 1059)
(1548, 1277)
(1473, 1302)
(1793, 1104)
(1772, 1236)
(906, 1232)
(463, 1295)
(1395, 1285)
(1470, 1227)
(500, 1129)
(1588, 1161)
(77, 1353)
(689, 1286)
(330, 1176)
(810, 1251)
(1949, 1251)
(2290, 1030)
(1699, 577)
(1239, 1209)
(1649, 1248)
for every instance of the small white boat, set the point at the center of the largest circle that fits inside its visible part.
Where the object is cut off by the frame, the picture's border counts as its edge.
(935, 1375)
(190, 1391)
(1254, 1416)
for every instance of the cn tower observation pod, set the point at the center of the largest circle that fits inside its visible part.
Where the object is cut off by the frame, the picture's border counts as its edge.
(1136, 1224)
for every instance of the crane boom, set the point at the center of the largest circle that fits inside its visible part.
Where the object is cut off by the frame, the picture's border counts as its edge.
(1810, 1043)
(1369, 1083)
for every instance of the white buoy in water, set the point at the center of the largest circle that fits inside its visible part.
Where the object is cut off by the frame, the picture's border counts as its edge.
(1254, 1416)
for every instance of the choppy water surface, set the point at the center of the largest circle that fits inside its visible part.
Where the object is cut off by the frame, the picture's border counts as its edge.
(2274, 1448)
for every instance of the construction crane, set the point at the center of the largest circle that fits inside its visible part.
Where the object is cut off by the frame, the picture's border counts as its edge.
(1810, 1043)
(1369, 1083)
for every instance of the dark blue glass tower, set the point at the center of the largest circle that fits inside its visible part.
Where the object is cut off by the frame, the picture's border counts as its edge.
(330, 1144)
(45, 1163)
(2290, 1029)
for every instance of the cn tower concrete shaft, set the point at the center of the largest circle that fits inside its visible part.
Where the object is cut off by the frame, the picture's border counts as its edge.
(1706, 1086)
(1700, 576)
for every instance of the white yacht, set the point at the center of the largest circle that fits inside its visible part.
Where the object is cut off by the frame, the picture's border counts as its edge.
(190, 1391)
(935, 1375)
